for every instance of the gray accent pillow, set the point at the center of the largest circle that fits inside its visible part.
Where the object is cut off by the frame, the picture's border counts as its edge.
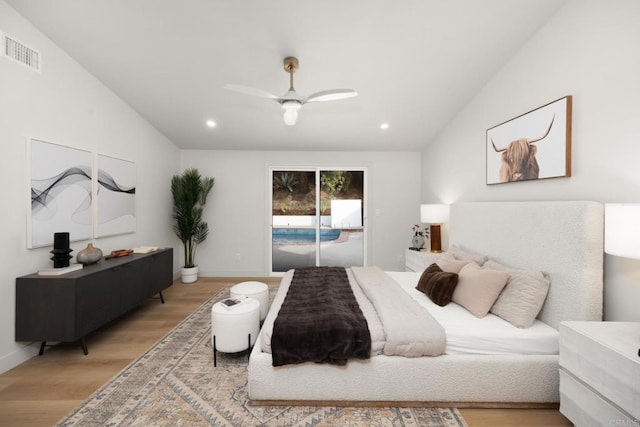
(523, 297)
(467, 255)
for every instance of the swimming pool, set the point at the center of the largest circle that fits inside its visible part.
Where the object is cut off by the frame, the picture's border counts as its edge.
(302, 235)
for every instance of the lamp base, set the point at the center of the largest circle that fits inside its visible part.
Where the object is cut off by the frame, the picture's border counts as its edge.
(434, 234)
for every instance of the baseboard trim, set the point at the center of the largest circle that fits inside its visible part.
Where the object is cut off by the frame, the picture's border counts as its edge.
(18, 356)
(409, 404)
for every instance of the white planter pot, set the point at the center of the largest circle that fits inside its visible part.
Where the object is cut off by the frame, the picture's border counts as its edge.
(189, 275)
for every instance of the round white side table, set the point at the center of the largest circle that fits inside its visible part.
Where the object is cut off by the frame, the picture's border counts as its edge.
(257, 290)
(236, 328)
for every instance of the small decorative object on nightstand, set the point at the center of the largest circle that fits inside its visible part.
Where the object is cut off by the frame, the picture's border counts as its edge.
(417, 241)
(600, 373)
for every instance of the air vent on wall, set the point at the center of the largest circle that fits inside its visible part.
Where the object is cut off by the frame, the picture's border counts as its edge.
(13, 49)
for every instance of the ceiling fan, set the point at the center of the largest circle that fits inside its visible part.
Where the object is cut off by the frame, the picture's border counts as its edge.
(291, 102)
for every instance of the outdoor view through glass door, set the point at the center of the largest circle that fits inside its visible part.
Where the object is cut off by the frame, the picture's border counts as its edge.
(317, 218)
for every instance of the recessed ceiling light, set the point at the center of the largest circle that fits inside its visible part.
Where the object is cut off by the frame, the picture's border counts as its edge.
(384, 126)
(211, 123)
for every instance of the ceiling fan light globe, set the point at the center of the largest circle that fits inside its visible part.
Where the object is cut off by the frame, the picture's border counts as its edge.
(290, 117)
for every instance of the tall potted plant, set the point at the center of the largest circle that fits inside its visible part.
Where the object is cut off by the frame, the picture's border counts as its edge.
(190, 191)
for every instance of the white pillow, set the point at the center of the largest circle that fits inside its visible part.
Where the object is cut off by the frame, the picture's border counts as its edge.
(478, 288)
(523, 297)
(467, 255)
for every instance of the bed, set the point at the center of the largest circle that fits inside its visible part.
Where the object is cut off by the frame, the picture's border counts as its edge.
(562, 239)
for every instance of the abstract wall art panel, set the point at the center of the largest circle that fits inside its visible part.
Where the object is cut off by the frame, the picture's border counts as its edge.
(60, 201)
(115, 186)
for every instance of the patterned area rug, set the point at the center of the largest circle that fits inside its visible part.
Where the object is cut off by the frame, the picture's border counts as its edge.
(174, 383)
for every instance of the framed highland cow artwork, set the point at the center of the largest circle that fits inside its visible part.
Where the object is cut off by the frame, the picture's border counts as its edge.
(534, 145)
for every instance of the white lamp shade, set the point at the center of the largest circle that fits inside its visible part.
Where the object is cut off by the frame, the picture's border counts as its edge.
(434, 214)
(622, 229)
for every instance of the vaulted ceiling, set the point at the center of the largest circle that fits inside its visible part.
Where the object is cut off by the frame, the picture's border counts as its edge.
(414, 63)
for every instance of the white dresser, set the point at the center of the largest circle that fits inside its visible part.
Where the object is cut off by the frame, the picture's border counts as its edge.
(600, 373)
(419, 260)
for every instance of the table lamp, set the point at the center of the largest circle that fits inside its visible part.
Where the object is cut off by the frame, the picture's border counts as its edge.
(434, 215)
(622, 230)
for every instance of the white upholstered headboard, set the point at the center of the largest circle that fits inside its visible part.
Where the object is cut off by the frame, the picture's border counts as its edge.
(562, 239)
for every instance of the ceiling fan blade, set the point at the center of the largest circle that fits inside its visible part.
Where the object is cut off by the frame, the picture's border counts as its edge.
(331, 95)
(250, 91)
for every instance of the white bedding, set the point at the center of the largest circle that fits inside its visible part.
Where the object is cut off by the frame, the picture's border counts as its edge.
(465, 333)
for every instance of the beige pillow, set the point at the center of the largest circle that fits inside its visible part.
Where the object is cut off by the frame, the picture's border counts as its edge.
(467, 255)
(523, 297)
(449, 264)
(478, 288)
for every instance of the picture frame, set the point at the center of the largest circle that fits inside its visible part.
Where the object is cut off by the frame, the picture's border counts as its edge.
(535, 145)
(60, 193)
(115, 196)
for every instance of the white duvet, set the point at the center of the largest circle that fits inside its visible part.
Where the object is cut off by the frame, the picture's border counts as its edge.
(465, 333)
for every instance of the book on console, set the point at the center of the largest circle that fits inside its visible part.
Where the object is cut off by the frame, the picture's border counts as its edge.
(60, 270)
(231, 303)
(145, 249)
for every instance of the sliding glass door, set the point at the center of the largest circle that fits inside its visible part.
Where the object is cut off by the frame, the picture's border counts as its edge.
(317, 218)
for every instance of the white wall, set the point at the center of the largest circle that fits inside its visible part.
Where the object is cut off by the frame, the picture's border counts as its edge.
(587, 50)
(238, 208)
(66, 105)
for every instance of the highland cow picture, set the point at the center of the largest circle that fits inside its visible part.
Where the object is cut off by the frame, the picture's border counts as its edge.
(532, 146)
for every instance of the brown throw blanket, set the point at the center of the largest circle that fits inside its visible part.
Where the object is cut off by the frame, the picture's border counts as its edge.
(320, 320)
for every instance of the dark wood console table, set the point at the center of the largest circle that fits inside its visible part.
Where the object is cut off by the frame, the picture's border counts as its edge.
(68, 307)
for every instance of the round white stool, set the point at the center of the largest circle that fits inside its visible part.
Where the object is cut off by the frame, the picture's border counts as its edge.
(235, 328)
(257, 290)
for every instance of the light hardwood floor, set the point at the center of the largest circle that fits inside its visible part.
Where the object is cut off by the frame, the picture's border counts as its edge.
(44, 389)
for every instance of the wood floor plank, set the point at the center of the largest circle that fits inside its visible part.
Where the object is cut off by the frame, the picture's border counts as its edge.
(45, 388)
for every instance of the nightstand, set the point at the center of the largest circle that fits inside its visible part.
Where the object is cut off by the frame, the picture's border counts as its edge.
(600, 373)
(419, 260)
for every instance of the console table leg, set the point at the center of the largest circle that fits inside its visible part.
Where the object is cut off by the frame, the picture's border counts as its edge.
(84, 346)
(161, 297)
(42, 348)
